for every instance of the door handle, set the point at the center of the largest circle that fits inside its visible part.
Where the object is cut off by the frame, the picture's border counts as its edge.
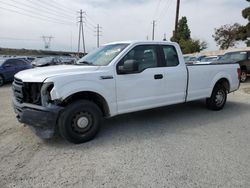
(158, 76)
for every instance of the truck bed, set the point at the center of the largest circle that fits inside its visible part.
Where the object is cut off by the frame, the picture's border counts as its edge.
(202, 78)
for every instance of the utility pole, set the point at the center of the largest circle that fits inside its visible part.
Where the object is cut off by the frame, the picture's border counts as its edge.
(98, 34)
(81, 33)
(177, 15)
(153, 33)
(47, 41)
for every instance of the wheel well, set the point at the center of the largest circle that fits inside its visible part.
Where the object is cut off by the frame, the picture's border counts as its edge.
(2, 77)
(224, 82)
(91, 96)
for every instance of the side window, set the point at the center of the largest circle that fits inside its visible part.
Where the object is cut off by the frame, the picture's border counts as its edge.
(171, 56)
(145, 55)
(9, 63)
(19, 62)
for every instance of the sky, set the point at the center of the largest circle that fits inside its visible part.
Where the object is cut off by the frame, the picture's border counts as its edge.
(24, 22)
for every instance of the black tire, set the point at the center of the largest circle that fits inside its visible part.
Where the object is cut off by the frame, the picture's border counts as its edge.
(218, 98)
(1, 80)
(80, 121)
(243, 76)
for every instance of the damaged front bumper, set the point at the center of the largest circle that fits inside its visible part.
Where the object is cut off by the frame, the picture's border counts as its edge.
(42, 120)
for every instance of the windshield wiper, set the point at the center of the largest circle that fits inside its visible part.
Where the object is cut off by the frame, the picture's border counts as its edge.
(85, 63)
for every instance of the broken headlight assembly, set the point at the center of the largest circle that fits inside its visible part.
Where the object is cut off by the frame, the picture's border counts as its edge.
(45, 93)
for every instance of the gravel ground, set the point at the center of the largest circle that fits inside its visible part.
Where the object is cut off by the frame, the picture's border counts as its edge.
(178, 146)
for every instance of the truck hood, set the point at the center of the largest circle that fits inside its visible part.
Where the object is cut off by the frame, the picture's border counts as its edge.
(42, 73)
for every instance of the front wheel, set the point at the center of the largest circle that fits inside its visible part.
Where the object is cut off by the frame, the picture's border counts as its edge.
(218, 98)
(80, 121)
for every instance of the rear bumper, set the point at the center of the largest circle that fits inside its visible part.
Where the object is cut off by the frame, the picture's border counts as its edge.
(42, 119)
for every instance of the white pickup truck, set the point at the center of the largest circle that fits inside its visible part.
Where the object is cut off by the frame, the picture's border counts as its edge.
(116, 78)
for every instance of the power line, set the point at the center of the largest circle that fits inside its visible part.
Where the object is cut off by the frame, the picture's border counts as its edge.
(93, 23)
(20, 39)
(165, 9)
(34, 13)
(59, 6)
(32, 16)
(157, 7)
(43, 5)
(44, 10)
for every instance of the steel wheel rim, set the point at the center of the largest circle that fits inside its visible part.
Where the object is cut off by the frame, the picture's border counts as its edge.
(82, 122)
(220, 97)
(243, 76)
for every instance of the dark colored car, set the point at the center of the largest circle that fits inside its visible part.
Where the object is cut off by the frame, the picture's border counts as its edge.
(46, 61)
(241, 57)
(9, 67)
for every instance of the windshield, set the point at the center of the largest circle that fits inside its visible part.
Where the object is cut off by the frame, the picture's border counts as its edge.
(103, 55)
(1, 62)
(234, 56)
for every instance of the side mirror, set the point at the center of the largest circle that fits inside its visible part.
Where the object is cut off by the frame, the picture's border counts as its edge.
(129, 66)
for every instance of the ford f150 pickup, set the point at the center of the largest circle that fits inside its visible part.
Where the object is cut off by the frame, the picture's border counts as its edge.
(116, 78)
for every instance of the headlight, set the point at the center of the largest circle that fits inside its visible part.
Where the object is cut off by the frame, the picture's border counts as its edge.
(45, 93)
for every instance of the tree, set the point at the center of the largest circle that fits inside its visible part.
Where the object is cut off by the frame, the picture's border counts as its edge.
(183, 37)
(244, 31)
(183, 31)
(227, 35)
(192, 46)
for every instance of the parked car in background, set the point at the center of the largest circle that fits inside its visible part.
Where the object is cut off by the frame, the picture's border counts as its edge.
(9, 67)
(26, 58)
(209, 59)
(68, 60)
(200, 57)
(241, 57)
(46, 61)
(190, 59)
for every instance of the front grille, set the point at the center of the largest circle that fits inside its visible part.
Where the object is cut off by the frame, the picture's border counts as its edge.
(18, 89)
(18, 82)
(27, 92)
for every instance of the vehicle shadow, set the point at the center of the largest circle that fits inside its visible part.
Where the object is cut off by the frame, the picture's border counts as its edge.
(6, 85)
(156, 123)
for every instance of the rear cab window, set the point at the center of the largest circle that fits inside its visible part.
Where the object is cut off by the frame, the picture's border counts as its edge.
(170, 56)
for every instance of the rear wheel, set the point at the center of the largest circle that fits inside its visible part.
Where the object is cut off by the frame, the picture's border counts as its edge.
(80, 121)
(243, 76)
(218, 98)
(1, 80)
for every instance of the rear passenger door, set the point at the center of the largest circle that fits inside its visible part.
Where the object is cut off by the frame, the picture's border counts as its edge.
(145, 88)
(175, 75)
